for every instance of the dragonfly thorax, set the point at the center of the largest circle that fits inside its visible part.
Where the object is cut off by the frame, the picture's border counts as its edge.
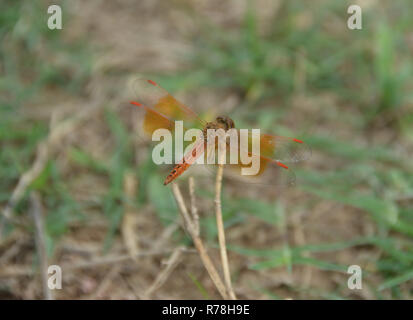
(221, 122)
(225, 122)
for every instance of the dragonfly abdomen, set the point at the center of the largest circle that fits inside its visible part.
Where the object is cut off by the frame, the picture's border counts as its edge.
(187, 161)
(176, 172)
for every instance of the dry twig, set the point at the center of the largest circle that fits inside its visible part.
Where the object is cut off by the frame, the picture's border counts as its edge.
(36, 209)
(194, 210)
(171, 264)
(221, 230)
(42, 155)
(18, 270)
(106, 282)
(129, 235)
(194, 233)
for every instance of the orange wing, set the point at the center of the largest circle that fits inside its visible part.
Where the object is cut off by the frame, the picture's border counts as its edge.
(276, 155)
(283, 149)
(162, 109)
(276, 152)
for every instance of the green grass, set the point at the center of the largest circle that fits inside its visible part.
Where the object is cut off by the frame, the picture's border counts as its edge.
(28, 71)
(368, 72)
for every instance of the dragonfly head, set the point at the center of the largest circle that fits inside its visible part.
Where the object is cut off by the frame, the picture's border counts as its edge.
(225, 123)
(221, 122)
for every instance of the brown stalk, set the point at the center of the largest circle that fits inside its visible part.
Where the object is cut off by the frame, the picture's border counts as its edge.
(37, 213)
(161, 278)
(193, 231)
(221, 230)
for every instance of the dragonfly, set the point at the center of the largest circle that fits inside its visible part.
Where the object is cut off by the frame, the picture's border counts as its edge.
(161, 110)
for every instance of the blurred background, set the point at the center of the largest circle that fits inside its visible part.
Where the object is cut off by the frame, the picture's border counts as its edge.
(70, 151)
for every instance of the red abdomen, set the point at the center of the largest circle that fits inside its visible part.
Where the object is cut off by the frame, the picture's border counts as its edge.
(190, 159)
(176, 172)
